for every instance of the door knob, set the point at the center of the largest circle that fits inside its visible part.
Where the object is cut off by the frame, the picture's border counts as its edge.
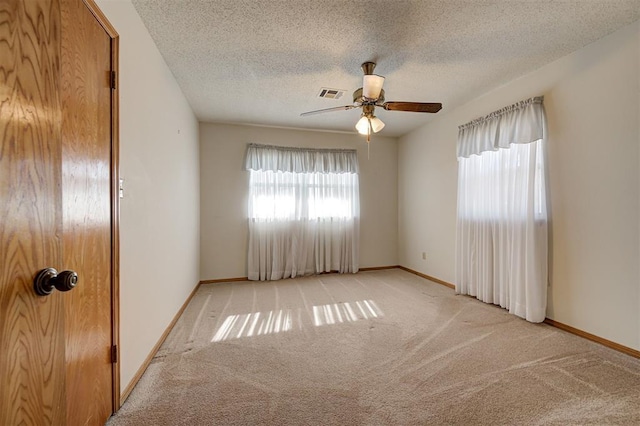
(49, 278)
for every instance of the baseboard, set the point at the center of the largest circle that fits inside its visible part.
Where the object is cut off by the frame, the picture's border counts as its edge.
(608, 343)
(378, 268)
(224, 280)
(230, 280)
(428, 277)
(370, 268)
(134, 381)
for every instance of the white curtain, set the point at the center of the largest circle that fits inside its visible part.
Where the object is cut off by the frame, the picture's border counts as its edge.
(304, 211)
(502, 242)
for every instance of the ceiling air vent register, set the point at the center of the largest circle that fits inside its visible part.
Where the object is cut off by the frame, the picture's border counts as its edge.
(327, 93)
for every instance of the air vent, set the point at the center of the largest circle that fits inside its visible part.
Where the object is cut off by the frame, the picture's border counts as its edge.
(327, 93)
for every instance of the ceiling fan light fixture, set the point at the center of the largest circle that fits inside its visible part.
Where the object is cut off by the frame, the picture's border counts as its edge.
(376, 124)
(366, 124)
(372, 86)
(362, 126)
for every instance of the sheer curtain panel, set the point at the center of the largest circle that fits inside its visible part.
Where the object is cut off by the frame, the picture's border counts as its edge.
(502, 242)
(304, 211)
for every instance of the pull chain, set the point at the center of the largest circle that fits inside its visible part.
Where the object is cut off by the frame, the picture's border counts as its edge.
(369, 137)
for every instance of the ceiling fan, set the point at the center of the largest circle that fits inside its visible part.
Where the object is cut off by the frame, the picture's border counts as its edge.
(370, 96)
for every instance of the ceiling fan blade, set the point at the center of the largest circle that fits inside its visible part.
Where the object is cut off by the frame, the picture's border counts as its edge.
(412, 106)
(320, 111)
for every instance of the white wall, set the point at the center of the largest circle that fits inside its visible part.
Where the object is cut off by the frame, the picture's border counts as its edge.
(224, 184)
(159, 218)
(592, 103)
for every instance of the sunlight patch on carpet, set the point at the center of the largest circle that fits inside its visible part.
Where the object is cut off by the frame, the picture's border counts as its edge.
(337, 313)
(279, 321)
(253, 324)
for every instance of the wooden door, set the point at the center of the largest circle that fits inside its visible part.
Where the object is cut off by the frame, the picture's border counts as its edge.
(32, 356)
(86, 212)
(55, 211)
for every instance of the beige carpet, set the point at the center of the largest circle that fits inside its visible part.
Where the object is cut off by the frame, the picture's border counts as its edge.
(375, 348)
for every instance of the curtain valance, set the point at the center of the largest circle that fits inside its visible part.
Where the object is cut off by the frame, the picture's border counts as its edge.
(301, 160)
(519, 123)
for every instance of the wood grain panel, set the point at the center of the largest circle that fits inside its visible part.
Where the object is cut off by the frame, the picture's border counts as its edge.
(86, 180)
(32, 390)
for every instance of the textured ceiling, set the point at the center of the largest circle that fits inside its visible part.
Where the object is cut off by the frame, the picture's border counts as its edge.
(264, 62)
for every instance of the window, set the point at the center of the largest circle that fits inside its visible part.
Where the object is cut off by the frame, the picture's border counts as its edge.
(502, 241)
(492, 183)
(302, 196)
(303, 211)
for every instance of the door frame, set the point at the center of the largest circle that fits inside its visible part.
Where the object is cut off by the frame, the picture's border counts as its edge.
(115, 200)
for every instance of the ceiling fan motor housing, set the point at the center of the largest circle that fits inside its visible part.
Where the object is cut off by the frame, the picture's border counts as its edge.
(367, 110)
